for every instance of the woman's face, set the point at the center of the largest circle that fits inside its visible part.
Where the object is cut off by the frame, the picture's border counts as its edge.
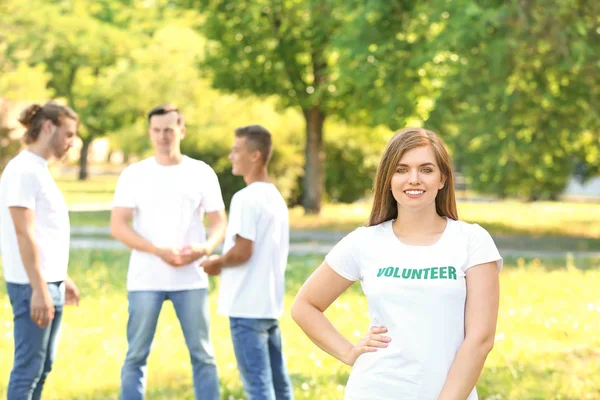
(417, 179)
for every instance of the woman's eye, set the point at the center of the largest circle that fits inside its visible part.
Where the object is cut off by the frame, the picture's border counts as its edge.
(426, 170)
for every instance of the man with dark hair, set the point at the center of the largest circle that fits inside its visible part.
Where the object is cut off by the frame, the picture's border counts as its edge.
(166, 197)
(254, 262)
(34, 238)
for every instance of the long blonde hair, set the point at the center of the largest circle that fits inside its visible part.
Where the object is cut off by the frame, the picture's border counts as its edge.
(384, 204)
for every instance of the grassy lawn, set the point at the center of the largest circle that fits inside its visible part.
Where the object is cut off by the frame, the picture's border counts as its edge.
(547, 343)
(499, 217)
(542, 219)
(90, 218)
(97, 189)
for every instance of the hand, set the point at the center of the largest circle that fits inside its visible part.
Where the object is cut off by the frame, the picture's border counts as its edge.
(191, 253)
(373, 341)
(71, 293)
(42, 306)
(170, 255)
(212, 265)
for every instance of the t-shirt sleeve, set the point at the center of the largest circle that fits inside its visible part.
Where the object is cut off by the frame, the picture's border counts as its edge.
(482, 248)
(23, 190)
(243, 218)
(343, 257)
(212, 197)
(124, 192)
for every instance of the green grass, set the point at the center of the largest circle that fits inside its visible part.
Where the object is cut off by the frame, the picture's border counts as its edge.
(89, 218)
(560, 219)
(97, 189)
(549, 220)
(547, 338)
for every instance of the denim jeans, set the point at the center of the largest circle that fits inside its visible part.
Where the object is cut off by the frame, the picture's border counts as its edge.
(257, 346)
(191, 307)
(35, 348)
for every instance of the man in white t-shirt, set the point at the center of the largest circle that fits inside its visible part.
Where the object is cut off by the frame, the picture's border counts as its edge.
(166, 197)
(34, 241)
(252, 269)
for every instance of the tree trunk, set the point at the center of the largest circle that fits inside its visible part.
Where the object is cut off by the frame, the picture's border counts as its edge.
(83, 159)
(314, 159)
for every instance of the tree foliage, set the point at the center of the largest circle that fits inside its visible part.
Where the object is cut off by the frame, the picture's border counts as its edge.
(297, 51)
(521, 93)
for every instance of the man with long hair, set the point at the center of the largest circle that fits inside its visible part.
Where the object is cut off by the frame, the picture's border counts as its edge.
(34, 239)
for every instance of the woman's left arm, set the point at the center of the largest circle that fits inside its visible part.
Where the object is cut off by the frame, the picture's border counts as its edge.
(481, 315)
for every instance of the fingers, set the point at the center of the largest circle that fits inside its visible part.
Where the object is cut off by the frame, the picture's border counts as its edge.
(72, 295)
(72, 299)
(36, 316)
(378, 329)
(378, 341)
(42, 316)
(365, 349)
(173, 261)
(186, 250)
(212, 270)
(374, 340)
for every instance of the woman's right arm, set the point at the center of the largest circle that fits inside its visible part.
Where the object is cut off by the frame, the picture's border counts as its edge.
(319, 291)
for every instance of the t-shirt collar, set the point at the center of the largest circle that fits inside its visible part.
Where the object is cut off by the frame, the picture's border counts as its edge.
(36, 158)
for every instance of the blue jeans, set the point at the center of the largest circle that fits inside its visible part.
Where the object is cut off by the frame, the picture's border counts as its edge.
(191, 307)
(257, 345)
(35, 348)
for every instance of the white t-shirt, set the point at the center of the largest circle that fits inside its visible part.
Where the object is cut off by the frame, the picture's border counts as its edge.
(169, 203)
(419, 294)
(256, 288)
(27, 182)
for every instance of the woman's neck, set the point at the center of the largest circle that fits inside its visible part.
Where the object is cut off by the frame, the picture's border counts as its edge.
(418, 222)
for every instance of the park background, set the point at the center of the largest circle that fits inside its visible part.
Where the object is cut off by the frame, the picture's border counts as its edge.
(513, 87)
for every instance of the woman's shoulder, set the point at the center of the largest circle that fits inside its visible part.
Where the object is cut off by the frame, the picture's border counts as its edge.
(468, 229)
(366, 232)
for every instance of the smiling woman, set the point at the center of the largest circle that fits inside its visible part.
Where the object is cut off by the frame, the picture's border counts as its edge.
(423, 272)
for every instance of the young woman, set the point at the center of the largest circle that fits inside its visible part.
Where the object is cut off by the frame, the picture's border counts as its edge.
(431, 282)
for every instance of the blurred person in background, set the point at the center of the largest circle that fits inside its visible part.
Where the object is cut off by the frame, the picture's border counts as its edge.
(158, 210)
(34, 241)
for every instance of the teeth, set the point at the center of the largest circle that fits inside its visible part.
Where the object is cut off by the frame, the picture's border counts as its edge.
(414, 192)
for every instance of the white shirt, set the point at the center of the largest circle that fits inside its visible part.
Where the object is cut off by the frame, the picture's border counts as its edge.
(169, 203)
(418, 293)
(27, 182)
(256, 288)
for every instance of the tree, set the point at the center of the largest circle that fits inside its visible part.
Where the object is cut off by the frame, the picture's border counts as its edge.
(522, 89)
(280, 49)
(287, 48)
(18, 83)
(76, 49)
(8, 145)
(85, 47)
